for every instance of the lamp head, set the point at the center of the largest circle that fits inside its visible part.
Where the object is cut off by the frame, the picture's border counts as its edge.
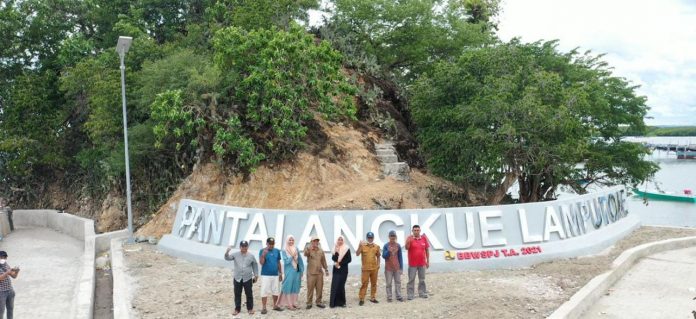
(123, 44)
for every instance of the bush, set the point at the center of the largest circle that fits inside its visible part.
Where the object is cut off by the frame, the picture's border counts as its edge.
(276, 81)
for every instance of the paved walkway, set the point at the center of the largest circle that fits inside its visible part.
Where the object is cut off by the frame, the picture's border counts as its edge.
(50, 266)
(658, 286)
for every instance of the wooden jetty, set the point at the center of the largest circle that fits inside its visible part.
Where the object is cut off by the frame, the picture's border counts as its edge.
(683, 151)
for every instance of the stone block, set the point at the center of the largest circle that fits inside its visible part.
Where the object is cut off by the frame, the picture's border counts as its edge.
(400, 171)
(388, 159)
(385, 146)
(382, 152)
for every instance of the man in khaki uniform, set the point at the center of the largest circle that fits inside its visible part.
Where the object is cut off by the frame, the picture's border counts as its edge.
(370, 267)
(316, 262)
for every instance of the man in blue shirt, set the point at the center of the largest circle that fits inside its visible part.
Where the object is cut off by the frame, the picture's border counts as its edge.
(271, 276)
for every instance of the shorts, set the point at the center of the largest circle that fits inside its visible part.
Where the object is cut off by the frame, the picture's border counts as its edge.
(270, 286)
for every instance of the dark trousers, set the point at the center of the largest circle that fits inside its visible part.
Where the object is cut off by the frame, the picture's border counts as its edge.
(7, 302)
(238, 295)
(338, 288)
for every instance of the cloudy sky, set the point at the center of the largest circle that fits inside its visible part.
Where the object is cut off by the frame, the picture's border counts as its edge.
(650, 42)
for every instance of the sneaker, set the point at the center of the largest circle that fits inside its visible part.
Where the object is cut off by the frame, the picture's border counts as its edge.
(400, 299)
(236, 312)
(410, 298)
(374, 301)
(251, 312)
(343, 306)
(362, 302)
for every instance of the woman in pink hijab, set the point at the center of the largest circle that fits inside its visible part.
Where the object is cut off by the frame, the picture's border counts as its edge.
(341, 258)
(293, 267)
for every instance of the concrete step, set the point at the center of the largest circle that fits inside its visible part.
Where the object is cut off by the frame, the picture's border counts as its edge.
(385, 152)
(384, 146)
(388, 159)
(400, 171)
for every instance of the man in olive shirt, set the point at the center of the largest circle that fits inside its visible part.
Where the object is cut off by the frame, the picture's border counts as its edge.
(246, 271)
(370, 267)
(316, 261)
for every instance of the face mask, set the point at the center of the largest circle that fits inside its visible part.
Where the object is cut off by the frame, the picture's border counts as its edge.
(2, 261)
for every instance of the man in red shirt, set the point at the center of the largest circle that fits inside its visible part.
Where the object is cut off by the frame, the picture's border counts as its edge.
(418, 262)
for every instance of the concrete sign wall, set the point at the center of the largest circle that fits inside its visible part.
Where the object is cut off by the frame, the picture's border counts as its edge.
(460, 238)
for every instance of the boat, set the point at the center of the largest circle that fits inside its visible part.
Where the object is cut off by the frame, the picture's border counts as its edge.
(686, 197)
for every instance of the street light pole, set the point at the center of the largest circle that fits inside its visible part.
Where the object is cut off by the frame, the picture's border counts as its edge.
(122, 47)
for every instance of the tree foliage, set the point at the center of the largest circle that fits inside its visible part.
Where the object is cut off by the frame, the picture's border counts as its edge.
(261, 14)
(406, 37)
(530, 114)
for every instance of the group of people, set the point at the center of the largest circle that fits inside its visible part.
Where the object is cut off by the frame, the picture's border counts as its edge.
(281, 271)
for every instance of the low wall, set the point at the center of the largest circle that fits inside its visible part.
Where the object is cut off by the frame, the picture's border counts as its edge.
(122, 288)
(4, 223)
(78, 228)
(71, 225)
(463, 238)
(103, 241)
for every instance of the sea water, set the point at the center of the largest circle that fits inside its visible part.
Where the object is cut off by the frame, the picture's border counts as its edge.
(675, 175)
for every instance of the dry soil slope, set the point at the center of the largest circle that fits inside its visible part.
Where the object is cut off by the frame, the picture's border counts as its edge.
(344, 175)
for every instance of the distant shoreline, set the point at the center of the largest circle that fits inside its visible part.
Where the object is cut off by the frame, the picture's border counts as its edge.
(665, 131)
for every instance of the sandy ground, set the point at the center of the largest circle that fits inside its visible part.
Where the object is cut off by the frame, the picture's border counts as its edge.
(174, 288)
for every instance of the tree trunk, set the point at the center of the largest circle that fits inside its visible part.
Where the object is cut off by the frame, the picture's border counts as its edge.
(529, 188)
(502, 189)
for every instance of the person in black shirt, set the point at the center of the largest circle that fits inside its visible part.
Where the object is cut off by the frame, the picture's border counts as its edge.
(341, 258)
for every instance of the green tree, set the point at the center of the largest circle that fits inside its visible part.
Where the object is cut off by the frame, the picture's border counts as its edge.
(273, 83)
(404, 37)
(529, 114)
(261, 14)
(482, 11)
(30, 129)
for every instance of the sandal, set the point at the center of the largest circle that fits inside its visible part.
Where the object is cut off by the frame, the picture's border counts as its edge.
(264, 311)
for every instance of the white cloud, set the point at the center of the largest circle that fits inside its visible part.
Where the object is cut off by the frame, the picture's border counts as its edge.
(652, 43)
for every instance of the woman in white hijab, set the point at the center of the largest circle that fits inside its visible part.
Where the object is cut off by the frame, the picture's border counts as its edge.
(341, 258)
(293, 267)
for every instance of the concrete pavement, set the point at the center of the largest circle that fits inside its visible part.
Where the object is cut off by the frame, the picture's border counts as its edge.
(662, 285)
(50, 267)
